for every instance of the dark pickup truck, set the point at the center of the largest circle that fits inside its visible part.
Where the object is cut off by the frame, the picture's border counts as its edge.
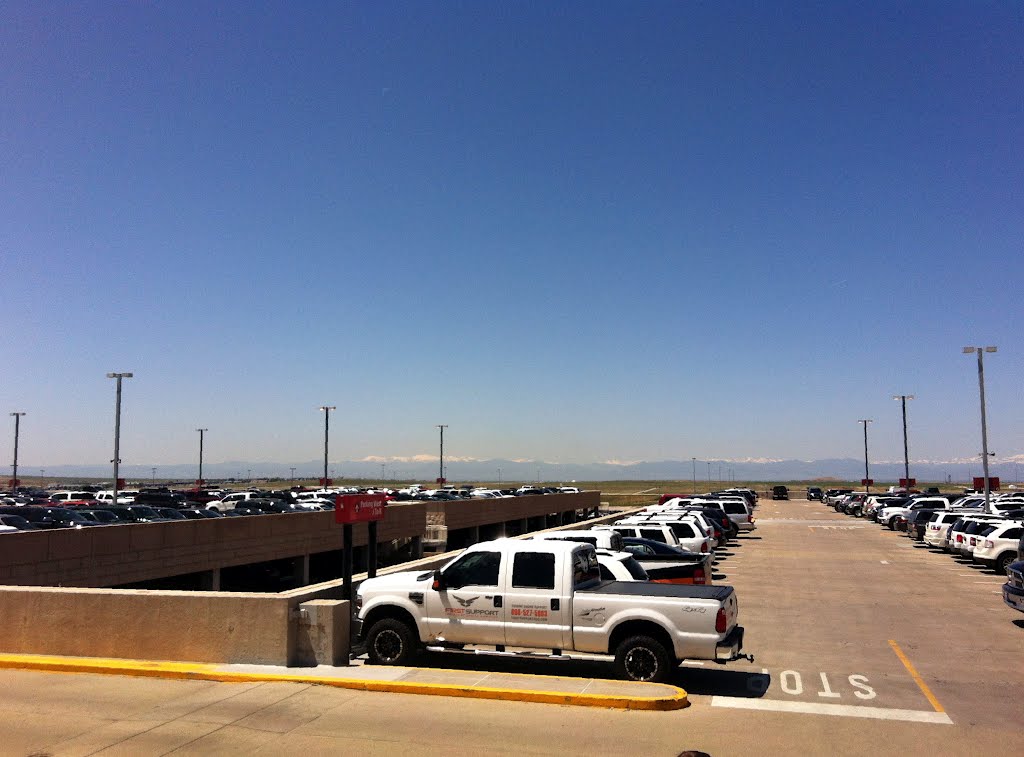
(668, 565)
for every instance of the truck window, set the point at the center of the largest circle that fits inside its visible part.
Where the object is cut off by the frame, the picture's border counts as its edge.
(474, 569)
(533, 570)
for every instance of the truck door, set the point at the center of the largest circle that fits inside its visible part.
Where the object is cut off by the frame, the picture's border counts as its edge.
(470, 608)
(538, 611)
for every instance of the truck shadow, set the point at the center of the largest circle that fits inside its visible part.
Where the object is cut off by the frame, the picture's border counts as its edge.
(498, 663)
(718, 681)
(711, 681)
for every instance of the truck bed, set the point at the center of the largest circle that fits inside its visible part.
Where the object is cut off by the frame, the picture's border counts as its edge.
(645, 589)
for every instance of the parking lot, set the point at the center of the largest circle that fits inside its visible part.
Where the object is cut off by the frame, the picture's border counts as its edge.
(865, 642)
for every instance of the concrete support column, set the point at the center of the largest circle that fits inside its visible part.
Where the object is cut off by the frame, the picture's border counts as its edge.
(210, 580)
(417, 547)
(301, 568)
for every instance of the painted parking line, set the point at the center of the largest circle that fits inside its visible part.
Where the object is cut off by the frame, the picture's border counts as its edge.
(841, 710)
(917, 677)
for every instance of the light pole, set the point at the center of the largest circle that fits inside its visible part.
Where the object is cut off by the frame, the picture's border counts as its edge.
(906, 454)
(17, 429)
(984, 429)
(440, 468)
(153, 475)
(326, 409)
(248, 476)
(201, 431)
(117, 429)
(499, 478)
(867, 477)
(293, 473)
(709, 473)
(694, 474)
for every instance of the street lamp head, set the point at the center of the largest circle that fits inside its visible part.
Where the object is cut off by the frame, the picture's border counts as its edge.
(325, 408)
(903, 396)
(202, 429)
(120, 375)
(991, 349)
(17, 414)
(866, 420)
(970, 350)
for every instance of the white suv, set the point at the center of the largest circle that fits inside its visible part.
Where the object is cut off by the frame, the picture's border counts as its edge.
(998, 548)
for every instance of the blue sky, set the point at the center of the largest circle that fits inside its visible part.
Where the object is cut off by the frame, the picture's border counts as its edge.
(572, 231)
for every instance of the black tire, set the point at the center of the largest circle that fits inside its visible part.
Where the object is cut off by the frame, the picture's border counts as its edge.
(641, 658)
(892, 523)
(1003, 562)
(391, 642)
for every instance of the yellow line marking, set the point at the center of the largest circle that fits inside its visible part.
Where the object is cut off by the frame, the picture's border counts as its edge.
(675, 699)
(916, 676)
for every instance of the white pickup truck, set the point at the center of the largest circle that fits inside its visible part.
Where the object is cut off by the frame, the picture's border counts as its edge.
(547, 595)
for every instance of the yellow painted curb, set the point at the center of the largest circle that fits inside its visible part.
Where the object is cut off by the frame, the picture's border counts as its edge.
(206, 672)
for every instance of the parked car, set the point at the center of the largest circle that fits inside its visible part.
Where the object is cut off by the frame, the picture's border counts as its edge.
(17, 523)
(998, 547)
(48, 517)
(814, 493)
(780, 492)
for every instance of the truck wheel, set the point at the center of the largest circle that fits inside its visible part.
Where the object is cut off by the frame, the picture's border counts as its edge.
(892, 523)
(390, 642)
(641, 658)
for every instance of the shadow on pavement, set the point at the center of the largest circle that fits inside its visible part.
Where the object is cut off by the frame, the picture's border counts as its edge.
(495, 663)
(719, 681)
(1019, 623)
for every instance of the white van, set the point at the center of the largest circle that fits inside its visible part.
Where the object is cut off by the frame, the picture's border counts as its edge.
(654, 531)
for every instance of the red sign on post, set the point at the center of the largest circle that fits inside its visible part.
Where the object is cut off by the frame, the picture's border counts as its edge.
(120, 483)
(441, 480)
(993, 483)
(867, 481)
(357, 508)
(13, 482)
(325, 481)
(906, 483)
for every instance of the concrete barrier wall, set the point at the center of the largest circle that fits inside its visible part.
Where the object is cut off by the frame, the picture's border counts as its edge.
(467, 513)
(290, 628)
(147, 625)
(129, 553)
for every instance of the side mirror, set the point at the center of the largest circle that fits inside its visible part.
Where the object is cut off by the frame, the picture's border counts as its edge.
(438, 584)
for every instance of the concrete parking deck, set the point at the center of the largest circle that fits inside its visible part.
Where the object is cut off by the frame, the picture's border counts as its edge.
(473, 684)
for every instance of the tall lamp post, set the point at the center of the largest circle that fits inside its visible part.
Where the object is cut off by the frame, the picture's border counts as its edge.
(201, 431)
(867, 477)
(694, 460)
(117, 429)
(326, 409)
(984, 429)
(440, 475)
(906, 454)
(17, 429)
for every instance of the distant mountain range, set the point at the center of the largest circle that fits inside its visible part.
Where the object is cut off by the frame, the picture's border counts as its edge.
(420, 468)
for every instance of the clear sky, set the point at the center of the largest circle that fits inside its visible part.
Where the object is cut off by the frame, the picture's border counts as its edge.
(573, 232)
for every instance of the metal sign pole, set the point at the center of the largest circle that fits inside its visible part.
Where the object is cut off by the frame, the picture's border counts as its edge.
(371, 549)
(346, 561)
